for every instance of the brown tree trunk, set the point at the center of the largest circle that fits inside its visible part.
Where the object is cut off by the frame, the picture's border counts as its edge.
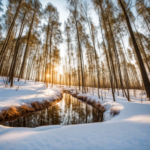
(16, 50)
(137, 51)
(80, 53)
(26, 50)
(50, 69)
(142, 48)
(111, 60)
(9, 33)
(47, 35)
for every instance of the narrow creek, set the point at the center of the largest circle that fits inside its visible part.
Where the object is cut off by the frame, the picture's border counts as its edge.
(68, 111)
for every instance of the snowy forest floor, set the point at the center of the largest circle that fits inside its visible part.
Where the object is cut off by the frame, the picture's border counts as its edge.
(25, 97)
(128, 130)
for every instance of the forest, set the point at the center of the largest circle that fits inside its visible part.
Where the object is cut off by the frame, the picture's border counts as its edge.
(101, 51)
(92, 60)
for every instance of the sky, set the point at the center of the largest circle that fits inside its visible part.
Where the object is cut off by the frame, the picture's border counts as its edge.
(63, 14)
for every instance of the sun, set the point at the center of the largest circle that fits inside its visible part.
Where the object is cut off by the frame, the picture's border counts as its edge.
(56, 68)
(47, 75)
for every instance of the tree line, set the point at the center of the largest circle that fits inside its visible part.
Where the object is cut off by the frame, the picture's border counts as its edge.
(96, 56)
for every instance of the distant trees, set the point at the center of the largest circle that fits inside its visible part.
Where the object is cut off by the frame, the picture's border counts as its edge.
(55, 61)
(93, 36)
(114, 26)
(68, 33)
(12, 4)
(36, 12)
(53, 36)
(142, 8)
(76, 20)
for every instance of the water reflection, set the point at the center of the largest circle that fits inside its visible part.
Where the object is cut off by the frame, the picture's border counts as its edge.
(66, 112)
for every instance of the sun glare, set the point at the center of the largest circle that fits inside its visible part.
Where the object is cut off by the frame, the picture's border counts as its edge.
(56, 68)
(47, 75)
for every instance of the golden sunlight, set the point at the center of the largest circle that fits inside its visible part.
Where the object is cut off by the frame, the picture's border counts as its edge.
(56, 68)
(47, 75)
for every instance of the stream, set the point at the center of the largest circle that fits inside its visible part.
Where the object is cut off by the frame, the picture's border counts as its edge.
(68, 111)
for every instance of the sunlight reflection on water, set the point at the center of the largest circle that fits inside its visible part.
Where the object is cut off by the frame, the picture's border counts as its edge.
(68, 111)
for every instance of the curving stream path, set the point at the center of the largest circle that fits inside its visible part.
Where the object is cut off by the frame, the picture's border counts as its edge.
(68, 111)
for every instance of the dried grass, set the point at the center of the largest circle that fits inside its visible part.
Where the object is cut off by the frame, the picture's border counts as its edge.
(1, 117)
(80, 97)
(48, 104)
(35, 105)
(25, 109)
(13, 112)
(66, 91)
(98, 105)
(94, 103)
(75, 94)
(114, 112)
(41, 107)
(10, 113)
(85, 99)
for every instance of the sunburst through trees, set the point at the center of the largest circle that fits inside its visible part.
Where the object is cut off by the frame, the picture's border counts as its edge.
(115, 54)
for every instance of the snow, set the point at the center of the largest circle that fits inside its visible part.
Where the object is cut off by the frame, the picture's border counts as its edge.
(26, 93)
(137, 109)
(128, 130)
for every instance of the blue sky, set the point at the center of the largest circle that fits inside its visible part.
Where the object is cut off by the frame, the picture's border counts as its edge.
(63, 14)
(61, 7)
(60, 4)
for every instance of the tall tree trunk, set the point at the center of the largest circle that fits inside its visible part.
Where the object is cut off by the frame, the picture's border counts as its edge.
(47, 35)
(116, 55)
(26, 50)
(142, 48)
(9, 33)
(16, 50)
(80, 54)
(111, 68)
(51, 35)
(137, 51)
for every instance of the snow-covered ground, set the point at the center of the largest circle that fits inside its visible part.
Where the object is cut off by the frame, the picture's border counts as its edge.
(25, 93)
(128, 130)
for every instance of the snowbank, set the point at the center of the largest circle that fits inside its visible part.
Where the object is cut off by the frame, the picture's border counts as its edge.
(26, 97)
(136, 97)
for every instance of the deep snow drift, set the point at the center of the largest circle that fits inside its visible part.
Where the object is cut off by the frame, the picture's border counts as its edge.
(128, 130)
